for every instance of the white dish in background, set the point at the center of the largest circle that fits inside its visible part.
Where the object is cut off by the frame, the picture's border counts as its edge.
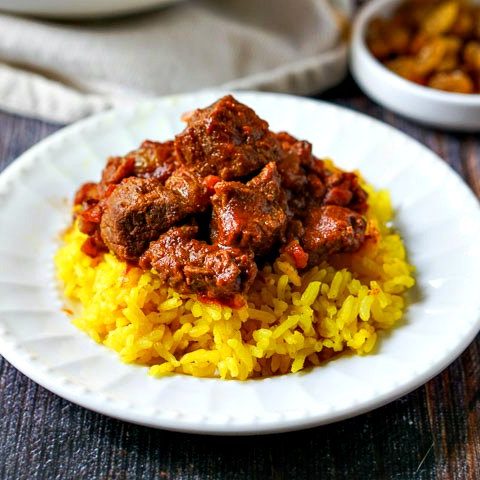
(84, 9)
(437, 215)
(426, 105)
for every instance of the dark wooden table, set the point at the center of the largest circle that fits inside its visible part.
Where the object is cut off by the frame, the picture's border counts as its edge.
(432, 433)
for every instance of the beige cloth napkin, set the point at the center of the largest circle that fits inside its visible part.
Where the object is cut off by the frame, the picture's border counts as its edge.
(64, 71)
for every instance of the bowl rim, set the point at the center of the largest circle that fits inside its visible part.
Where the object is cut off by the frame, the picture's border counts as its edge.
(366, 13)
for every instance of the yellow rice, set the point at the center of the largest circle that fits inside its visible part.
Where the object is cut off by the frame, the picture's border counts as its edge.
(292, 320)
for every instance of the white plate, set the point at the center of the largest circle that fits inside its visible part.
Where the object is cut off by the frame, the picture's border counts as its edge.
(436, 213)
(79, 9)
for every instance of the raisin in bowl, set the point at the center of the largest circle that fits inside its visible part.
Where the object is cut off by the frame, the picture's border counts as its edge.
(436, 108)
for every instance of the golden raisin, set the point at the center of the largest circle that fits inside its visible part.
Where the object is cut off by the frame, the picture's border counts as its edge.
(385, 39)
(418, 42)
(476, 22)
(413, 13)
(376, 39)
(405, 67)
(471, 55)
(463, 26)
(452, 43)
(441, 18)
(449, 63)
(398, 39)
(456, 81)
(450, 60)
(431, 55)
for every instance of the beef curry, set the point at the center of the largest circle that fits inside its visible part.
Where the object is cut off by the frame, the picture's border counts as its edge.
(226, 195)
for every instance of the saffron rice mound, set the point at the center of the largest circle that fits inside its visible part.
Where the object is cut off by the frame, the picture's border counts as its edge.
(291, 320)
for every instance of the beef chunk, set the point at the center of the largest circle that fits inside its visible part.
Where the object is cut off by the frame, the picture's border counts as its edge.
(252, 215)
(296, 155)
(155, 159)
(226, 139)
(87, 195)
(136, 213)
(301, 149)
(140, 209)
(116, 170)
(191, 187)
(94, 245)
(190, 265)
(332, 229)
(301, 173)
(343, 189)
(309, 183)
(151, 159)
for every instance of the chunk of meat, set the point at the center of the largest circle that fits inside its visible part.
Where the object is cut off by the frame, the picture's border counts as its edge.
(302, 174)
(116, 169)
(344, 190)
(332, 229)
(94, 245)
(140, 209)
(87, 197)
(87, 194)
(252, 215)
(137, 212)
(89, 219)
(312, 194)
(151, 159)
(227, 139)
(296, 154)
(155, 159)
(300, 148)
(193, 189)
(190, 265)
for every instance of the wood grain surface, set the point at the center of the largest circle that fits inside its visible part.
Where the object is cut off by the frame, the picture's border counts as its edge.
(432, 433)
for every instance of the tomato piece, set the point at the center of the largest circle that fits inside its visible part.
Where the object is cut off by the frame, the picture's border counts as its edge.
(298, 254)
(210, 182)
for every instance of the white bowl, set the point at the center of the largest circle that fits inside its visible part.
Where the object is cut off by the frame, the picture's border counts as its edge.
(79, 10)
(426, 105)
